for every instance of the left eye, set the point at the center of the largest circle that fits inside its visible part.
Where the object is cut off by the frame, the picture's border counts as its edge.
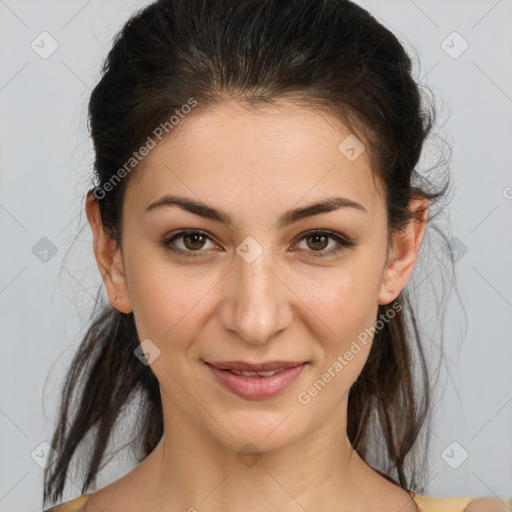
(192, 241)
(320, 240)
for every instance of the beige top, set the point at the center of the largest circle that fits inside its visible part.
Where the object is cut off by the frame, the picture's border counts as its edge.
(423, 504)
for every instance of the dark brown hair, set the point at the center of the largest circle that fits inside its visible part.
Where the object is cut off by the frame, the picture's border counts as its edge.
(324, 54)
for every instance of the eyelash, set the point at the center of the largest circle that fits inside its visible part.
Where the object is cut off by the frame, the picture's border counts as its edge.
(343, 242)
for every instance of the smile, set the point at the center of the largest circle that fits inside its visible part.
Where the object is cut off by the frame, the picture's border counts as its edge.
(256, 385)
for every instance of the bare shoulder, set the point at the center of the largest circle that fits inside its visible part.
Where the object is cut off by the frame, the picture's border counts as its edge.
(385, 495)
(488, 505)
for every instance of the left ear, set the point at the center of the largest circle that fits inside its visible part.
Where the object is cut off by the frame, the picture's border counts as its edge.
(407, 243)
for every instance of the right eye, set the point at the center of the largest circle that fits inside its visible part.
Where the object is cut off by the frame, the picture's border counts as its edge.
(192, 241)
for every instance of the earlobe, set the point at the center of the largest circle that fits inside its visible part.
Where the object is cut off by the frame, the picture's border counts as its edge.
(108, 258)
(406, 246)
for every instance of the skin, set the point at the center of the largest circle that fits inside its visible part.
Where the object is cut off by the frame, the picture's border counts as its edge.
(286, 304)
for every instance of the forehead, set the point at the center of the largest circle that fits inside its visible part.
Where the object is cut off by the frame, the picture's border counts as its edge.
(274, 156)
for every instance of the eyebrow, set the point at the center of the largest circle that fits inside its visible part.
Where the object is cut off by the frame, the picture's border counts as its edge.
(209, 212)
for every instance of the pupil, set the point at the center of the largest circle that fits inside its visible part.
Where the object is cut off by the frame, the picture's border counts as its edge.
(316, 237)
(194, 237)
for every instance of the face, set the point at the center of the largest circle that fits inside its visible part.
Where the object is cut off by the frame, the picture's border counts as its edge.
(263, 287)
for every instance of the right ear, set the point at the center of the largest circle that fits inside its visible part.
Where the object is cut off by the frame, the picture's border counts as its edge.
(108, 258)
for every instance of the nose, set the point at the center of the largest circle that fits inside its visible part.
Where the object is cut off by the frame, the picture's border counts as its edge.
(256, 303)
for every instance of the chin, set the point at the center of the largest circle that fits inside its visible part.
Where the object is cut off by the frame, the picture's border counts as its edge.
(259, 430)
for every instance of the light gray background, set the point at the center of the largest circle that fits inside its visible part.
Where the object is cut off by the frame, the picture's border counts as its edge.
(45, 163)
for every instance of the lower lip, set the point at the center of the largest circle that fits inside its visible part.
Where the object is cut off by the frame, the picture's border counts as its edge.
(257, 387)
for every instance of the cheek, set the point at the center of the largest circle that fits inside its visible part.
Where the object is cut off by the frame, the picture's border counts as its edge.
(343, 299)
(166, 298)
(345, 306)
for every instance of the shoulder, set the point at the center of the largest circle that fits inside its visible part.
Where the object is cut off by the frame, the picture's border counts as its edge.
(488, 505)
(76, 505)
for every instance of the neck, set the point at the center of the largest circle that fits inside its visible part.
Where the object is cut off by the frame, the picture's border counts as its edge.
(190, 470)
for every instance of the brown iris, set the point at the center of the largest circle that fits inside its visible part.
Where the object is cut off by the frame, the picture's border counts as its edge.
(323, 243)
(197, 241)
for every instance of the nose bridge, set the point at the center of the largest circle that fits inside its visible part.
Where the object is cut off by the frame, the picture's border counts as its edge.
(256, 302)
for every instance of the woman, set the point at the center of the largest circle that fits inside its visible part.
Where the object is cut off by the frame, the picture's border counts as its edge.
(255, 222)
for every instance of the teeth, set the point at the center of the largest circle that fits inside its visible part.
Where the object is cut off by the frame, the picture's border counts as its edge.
(252, 374)
(269, 373)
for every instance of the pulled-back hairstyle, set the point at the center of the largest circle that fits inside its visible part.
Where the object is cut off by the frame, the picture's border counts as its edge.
(330, 55)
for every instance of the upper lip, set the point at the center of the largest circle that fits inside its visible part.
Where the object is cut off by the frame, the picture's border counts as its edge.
(255, 367)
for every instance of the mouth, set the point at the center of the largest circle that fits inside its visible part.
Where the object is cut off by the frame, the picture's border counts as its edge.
(242, 366)
(256, 381)
(267, 373)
